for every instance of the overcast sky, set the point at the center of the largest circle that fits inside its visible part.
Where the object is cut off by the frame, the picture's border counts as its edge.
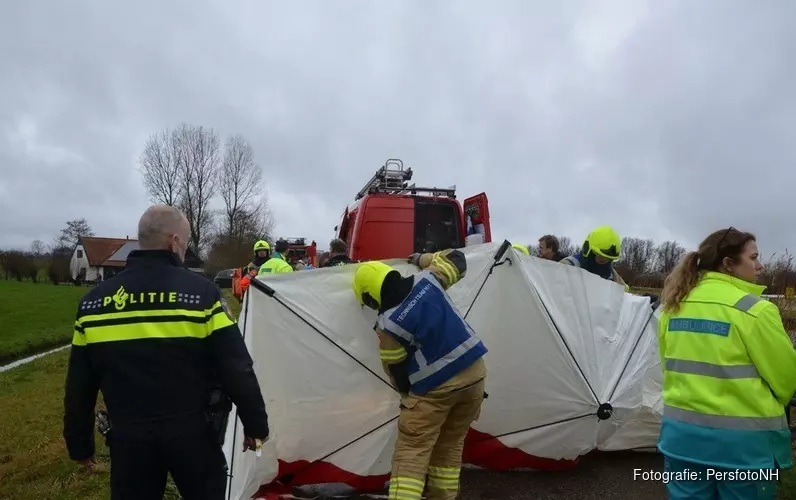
(666, 119)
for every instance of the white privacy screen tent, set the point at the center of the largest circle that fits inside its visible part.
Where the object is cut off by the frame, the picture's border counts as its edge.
(572, 367)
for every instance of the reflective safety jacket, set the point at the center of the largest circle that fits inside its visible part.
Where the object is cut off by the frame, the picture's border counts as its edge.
(729, 368)
(276, 264)
(156, 339)
(427, 329)
(254, 265)
(573, 261)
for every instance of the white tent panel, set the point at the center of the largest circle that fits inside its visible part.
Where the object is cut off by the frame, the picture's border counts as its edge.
(531, 378)
(560, 342)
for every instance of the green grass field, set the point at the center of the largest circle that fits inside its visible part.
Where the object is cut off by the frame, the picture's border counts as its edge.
(35, 317)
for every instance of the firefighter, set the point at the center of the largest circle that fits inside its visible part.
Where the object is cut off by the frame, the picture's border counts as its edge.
(602, 248)
(277, 263)
(157, 340)
(338, 254)
(521, 248)
(729, 368)
(440, 397)
(262, 252)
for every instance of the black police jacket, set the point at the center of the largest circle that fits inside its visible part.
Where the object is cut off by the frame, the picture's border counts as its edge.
(155, 339)
(338, 260)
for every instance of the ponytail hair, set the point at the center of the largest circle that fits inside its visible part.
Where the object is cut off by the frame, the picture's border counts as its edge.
(713, 251)
(680, 282)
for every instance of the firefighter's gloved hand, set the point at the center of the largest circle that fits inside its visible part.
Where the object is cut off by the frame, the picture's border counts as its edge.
(414, 259)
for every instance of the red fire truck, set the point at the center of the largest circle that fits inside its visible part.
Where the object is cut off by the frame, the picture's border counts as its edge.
(298, 250)
(390, 218)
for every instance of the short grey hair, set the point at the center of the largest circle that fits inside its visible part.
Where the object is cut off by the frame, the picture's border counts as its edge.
(157, 224)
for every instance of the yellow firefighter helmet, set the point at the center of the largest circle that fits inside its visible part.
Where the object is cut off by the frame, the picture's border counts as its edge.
(368, 279)
(603, 241)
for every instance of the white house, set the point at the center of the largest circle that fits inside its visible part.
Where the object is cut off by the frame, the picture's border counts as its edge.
(104, 257)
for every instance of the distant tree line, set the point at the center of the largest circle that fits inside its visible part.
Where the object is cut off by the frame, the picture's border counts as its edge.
(646, 264)
(45, 262)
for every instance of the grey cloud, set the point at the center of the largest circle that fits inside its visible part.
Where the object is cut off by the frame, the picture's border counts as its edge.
(665, 119)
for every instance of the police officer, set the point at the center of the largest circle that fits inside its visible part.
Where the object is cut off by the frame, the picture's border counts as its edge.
(277, 263)
(602, 248)
(156, 340)
(441, 397)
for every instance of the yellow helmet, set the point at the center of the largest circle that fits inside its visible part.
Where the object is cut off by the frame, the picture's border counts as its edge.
(522, 248)
(261, 245)
(603, 241)
(368, 279)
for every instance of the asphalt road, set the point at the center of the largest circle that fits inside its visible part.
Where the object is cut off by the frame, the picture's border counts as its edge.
(603, 476)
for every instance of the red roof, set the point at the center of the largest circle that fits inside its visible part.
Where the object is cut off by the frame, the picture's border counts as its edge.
(99, 249)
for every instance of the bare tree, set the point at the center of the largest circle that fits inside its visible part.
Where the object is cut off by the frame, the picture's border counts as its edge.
(37, 248)
(668, 255)
(228, 251)
(161, 168)
(198, 153)
(566, 247)
(778, 272)
(637, 255)
(240, 182)
(72, 232)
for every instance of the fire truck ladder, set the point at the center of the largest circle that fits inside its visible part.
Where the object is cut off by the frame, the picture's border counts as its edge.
(395, 181)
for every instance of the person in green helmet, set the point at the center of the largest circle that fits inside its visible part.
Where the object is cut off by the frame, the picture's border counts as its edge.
(262, 252)
(278, 262)
(602, 248)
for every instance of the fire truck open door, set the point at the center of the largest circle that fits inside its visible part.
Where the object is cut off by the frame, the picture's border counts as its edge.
(476, 213)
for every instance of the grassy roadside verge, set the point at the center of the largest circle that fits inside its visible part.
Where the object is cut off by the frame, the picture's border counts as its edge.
(35, 317)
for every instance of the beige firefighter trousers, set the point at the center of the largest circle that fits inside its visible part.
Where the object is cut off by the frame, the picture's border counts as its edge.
(431, 432)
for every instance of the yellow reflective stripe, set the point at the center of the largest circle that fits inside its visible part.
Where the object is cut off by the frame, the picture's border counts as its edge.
(151, 313)
(444, 472)
(444, 478)
(135, 331)
(78, 339)
(446, 267)
(398, 354)
(220, 319)
(405, 488)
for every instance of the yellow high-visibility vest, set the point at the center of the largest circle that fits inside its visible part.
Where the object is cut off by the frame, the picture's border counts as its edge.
(728, 371)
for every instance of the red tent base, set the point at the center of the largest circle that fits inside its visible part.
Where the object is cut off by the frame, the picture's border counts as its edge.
(480, 449)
